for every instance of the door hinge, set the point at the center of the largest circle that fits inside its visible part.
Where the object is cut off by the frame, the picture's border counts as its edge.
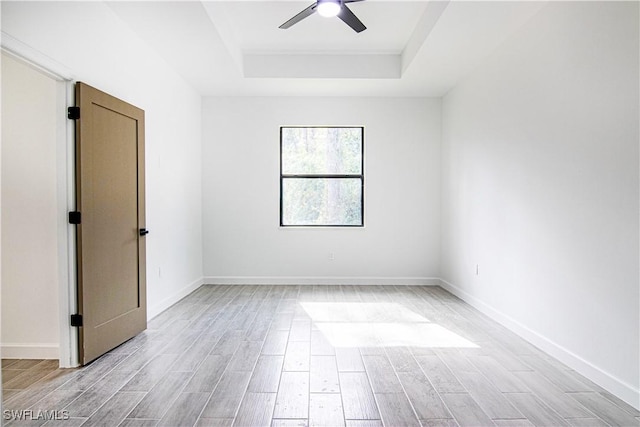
(76, 320)
(73, 113)
(75, 217)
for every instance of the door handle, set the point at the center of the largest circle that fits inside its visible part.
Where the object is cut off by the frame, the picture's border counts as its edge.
(144, 231)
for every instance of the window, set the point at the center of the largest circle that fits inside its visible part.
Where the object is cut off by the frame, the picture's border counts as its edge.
(322, 176)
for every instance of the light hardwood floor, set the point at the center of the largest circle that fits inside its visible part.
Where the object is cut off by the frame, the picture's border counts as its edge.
(357, 356)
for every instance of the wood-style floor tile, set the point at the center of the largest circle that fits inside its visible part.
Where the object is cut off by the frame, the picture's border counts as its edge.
(535, 410)
(320, 345)
(440, 375)
(214, 422)
(349, 360)
(357, 397)
(296, 357)
(266, 375)
(424, 398)
(324, 375)
(256, 410)
(440, 422)
(156, 401)
(605, 409)
(292, 400)
(248, 356)
(363, 423)
(381, 375)
(587, 422)
(325, 409)
(90, 400)
(465, 410)
(395, 410)
(226, 398)
(561, 402)
(289, 423)
(115, 409)
(185, 410)
(208, 374)
(136, 422)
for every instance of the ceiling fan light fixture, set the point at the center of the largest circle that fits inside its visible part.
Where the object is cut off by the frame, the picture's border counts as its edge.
(328, 8)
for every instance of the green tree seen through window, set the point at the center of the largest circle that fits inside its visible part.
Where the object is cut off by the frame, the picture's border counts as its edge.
(321, 176)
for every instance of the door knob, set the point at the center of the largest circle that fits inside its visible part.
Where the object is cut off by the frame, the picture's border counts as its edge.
(144, 231)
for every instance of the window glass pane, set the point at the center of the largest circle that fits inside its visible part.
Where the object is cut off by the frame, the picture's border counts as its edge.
(321, 151)
(321, 201)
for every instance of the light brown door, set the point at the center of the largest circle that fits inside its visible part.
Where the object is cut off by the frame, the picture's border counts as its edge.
(110, 237)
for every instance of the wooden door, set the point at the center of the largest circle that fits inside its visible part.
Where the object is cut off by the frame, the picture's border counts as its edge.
(111, 235)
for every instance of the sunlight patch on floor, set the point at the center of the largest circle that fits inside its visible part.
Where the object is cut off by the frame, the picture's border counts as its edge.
(360, 312)
(347, 324)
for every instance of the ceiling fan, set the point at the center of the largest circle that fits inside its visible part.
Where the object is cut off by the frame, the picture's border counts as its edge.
(329, 8)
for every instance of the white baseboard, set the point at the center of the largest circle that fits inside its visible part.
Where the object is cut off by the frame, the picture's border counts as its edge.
(320, 280)
(30, 351)
(604, 379)
(153, 311)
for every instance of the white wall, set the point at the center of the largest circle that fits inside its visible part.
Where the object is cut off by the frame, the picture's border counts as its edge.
(242, 238)
(89, 40)
(29, 210)
(540, 188)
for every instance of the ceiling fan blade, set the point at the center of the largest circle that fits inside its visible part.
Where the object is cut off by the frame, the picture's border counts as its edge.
(300, 16)
(350, 19)
(350, 1)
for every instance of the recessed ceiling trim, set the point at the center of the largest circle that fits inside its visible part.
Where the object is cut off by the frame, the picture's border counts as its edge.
(427, 22)
(322, 66)
(225, 31)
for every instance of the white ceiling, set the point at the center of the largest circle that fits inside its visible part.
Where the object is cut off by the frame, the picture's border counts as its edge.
(410, 48)
(255, 26)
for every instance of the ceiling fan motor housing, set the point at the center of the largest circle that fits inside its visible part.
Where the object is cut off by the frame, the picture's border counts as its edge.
(329, 8)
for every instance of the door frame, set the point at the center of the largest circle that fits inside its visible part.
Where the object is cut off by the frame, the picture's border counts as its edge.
(65, 189)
